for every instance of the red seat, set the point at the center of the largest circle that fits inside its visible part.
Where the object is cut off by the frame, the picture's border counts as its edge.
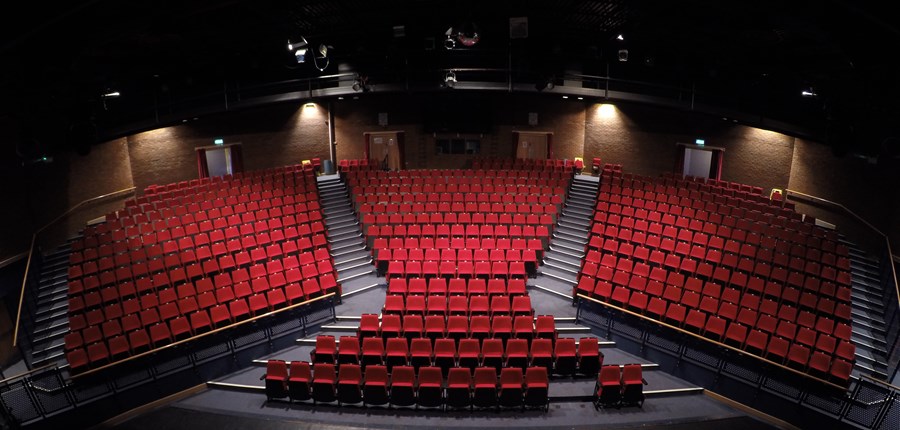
(348, 350)
(299, 381)
(276, 379)
(445, 353)
(589, 356)
(459, 388)
(633, 384)
(564, 356)
(396, 352)
(484, 390)
(608, 389)
(349, 384)
(468, 354)
(402, 386)
(429, 390)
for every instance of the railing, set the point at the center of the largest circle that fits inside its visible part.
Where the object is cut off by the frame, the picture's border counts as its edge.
(732, 349)
(890, 289)
(202, 335)
(868, 404)
(50, 392)
(34, 237)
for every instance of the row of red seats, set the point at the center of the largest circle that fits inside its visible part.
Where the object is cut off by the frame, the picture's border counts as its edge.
(739, 191)
(470, 354)
(563, 356)
(356, 164)
(668, 204)
(620, 386)
(701, 219)
(458, 305)
(524, 162)
(746, 307)
(406, 386)
(445, 208)
(96, 345)
(175, 212)
(725, 269)
(697, 240)
(239, 176)
(455, 245)
(140, 276)
(458, 326)
(458, 176)
(479, 191)
(706, 259)
(456, 287)
(461, 269)
(726, 223)
(200, 247)
(410, 236)
(424, 219)
(213, 230)
(765, 335)
(641, 277)
(672, 194)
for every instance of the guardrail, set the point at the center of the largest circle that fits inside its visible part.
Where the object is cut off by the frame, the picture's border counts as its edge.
(890, 289)
(868, 404)
(34, 237)
(50, 392)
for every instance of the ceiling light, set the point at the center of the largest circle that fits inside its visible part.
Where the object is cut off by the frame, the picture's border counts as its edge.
(808, 92)
(110, 94)
(565, 97)
(620, 37)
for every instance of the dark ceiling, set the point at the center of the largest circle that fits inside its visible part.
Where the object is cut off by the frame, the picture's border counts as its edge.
(749, 56)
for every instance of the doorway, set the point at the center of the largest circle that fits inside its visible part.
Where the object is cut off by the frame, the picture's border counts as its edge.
(215, 161)
(533, 145)
(385, 148)
(699, 161)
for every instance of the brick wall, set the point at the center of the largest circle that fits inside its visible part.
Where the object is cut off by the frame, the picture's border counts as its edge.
(271, 136)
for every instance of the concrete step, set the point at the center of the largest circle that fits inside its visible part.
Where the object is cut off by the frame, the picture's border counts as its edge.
(565, 259)
(560, 275)
(560, 244)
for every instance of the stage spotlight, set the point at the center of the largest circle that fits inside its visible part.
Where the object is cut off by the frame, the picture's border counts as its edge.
(450, 79)
(299, 49)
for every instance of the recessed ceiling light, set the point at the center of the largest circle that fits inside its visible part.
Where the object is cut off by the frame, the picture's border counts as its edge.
(580, 98)
(565, 97)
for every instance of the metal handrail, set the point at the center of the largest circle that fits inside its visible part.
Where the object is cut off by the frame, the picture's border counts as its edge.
(31, 251)
(199, 336)
(24, 374)
(720, 344)
(887, 240)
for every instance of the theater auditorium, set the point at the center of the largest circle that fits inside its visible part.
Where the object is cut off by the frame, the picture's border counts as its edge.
(409, 214)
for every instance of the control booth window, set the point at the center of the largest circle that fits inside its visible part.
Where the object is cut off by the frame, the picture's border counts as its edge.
(458, 145)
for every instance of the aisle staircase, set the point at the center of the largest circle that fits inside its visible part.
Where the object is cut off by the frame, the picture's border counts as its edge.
(558, 273)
